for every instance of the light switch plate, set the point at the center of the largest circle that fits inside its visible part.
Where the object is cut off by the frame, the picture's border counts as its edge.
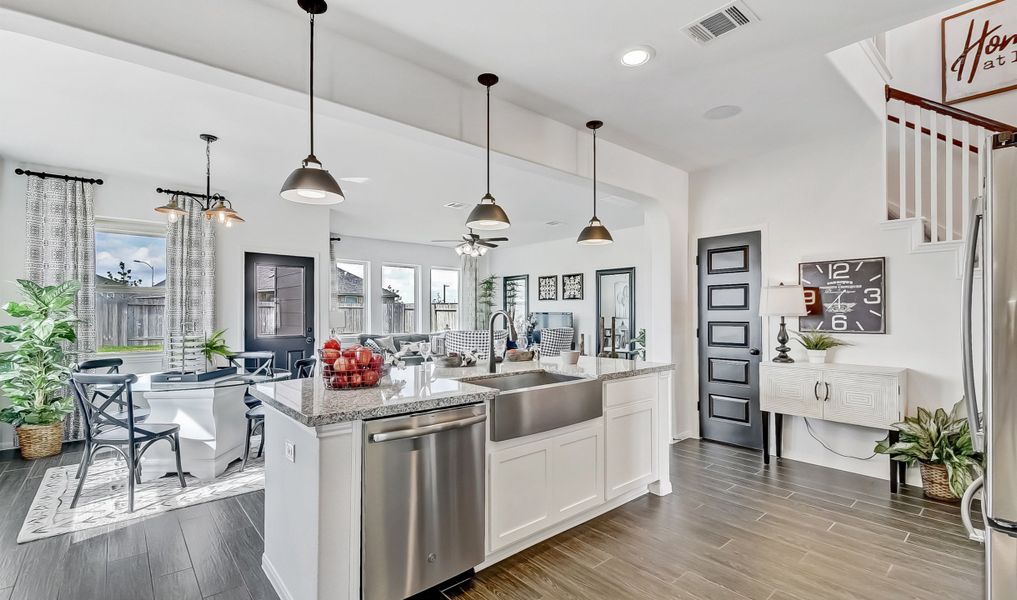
(291, 450)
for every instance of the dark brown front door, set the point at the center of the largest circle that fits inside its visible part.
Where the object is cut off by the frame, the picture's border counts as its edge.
(279, 306)
(729, 339)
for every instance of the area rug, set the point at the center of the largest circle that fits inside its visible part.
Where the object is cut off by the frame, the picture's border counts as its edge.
(104, 499)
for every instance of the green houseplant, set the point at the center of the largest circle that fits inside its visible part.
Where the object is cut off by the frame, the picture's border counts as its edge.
(485, 299)
(817, 344)
(34, 371)
(940, 443)
(215, 345)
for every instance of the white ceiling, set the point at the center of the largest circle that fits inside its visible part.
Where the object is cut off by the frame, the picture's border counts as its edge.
(560, 58)
(73, 109)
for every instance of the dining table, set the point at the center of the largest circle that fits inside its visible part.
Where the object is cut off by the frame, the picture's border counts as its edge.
(212, 419)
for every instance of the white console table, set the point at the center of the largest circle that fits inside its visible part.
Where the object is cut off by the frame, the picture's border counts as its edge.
(853, 394)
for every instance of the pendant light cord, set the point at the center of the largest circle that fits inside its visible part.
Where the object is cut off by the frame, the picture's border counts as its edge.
(488, 140)
(311, 95)
(208, 171)
(594, 173)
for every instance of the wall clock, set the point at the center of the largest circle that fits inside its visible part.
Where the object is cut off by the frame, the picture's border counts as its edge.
(547, 287)
(844, 296)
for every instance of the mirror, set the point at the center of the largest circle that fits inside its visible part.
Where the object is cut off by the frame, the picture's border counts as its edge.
(616, 310)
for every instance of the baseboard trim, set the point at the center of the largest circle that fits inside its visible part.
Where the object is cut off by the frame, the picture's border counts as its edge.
(274, 579)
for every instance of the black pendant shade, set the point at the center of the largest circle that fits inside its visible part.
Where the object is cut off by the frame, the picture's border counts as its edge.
(487, 215)
(595, 234)
(311, 183)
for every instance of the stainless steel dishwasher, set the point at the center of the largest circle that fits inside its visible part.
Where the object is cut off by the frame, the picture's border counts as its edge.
(423, 500)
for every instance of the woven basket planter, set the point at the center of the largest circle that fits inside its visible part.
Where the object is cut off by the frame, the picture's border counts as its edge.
(39, 441)
(936, 483)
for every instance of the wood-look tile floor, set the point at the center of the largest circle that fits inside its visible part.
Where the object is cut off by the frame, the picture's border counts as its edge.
(732, 530)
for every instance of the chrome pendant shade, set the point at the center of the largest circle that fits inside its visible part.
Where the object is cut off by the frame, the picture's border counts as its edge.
(487, 215)
(595, 234)
(311, 183)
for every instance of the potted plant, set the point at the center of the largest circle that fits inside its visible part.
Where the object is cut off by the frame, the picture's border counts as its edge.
(940, 443)
(215, 346)
(485, 300)
(34, 371)
(817, 344)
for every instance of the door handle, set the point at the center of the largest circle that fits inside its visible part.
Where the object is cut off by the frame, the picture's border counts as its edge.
(967, 344)
(754, 351)
(815, 390)
(310, 340)
(403, 434)
(826, 398)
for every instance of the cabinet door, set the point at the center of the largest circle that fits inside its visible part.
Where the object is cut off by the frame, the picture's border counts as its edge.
(520, 492)
(631, 438)
(860, 399)
(577, 470)
(791, 390)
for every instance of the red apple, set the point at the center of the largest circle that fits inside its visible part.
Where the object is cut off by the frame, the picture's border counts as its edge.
(343, 364)
(364, 356)
(370, 377)
(376, 361)
(329, 355)
(350, 352)
(356, 380)
(337, 382)
(331, 344)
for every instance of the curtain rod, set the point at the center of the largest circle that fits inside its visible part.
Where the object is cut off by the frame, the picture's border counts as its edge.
(190, 194)
(42, 175)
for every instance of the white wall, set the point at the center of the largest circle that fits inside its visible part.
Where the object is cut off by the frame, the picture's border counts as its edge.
(273, 226)
(631, 249)
(379, 252)
(915, 57)
(825, 201)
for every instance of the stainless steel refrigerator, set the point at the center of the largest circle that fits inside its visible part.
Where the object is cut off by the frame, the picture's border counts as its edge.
(991, 390)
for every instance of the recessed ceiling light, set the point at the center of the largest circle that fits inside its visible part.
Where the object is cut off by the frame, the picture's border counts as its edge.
(355, 179)
(725, 111)
(454, 205)
(637, 56)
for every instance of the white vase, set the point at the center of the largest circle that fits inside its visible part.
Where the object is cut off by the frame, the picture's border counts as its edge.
(816, 356)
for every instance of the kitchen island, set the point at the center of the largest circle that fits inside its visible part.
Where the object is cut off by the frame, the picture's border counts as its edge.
(535, 486)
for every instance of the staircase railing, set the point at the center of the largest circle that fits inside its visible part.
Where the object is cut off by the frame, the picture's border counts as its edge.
(935, 162)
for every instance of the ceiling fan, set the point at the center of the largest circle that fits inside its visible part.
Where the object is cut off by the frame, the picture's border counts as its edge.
(472, 244)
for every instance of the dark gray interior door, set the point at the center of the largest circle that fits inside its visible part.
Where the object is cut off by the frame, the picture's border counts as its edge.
(279, 306)
(729, 339)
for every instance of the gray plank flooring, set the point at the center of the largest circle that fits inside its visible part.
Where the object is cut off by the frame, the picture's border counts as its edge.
(733, 530)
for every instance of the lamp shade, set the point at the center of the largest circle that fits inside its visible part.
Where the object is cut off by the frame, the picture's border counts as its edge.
(487, 216)
(595, 234)
(782, 301)
(310, 184)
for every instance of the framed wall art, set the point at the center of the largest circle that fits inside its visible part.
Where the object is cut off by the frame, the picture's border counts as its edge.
(572, 286)
(980, 51)
(844, 296)
(547, 287)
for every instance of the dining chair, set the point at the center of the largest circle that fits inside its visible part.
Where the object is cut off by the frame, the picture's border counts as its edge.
(118, 431)
(101, 397)
(264, 364)
(303, 368)
(555, 339)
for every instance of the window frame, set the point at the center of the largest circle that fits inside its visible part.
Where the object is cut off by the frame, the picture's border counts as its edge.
(416, 293)
(367, 292)
(127, 227)
(459, 290)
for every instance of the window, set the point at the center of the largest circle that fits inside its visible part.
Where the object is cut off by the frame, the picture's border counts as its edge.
(130, 290)
(398, 298)
(444, 299)
(515, 294)
(280, 300)
(349, 297)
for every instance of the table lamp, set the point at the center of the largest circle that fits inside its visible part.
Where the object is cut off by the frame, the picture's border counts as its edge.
(782, 301)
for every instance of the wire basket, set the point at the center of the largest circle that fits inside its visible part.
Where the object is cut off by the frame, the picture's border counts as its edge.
(347, 372)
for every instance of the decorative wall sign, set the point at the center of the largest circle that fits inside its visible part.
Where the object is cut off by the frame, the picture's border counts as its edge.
(844, 296)
(572, 286)
(547, 287)
(980, 51)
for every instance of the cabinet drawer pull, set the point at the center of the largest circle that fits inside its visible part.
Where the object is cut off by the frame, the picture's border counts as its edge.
(827, 397)
(815, 390)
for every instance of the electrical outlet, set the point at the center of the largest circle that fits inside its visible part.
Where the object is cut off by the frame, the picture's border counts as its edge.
(291, 450)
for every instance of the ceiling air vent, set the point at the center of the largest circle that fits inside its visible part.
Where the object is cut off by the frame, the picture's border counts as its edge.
(454, 205)
(716, 24)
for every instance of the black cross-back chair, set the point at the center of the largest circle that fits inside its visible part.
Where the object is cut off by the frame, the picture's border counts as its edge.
(102, 398)
(264, 364)
(118, 431)
(303, 369)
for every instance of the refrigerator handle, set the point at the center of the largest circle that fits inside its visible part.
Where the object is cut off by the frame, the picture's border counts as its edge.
(977, 535)
(970, 399)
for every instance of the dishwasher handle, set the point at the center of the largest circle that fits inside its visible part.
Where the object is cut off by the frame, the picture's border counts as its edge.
(415, 432)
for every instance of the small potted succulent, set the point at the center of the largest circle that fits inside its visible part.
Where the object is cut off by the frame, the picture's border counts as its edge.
(940, 443)
(35, 369)
(817, 344)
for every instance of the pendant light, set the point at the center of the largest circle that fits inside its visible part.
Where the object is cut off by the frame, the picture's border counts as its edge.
(172, 210)
(487, 215)
(311, 183)
(213, 206)
(595, 234)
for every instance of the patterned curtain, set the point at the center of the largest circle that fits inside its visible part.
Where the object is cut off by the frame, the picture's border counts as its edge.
(60, 246)
(468, 294)
(190, 272)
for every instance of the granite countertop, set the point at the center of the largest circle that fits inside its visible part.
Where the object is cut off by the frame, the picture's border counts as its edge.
(424, 387)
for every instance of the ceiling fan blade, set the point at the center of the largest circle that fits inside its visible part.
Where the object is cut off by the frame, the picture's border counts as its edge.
(486, 243)
(497, 239)
(446, 241)
(467, 238)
